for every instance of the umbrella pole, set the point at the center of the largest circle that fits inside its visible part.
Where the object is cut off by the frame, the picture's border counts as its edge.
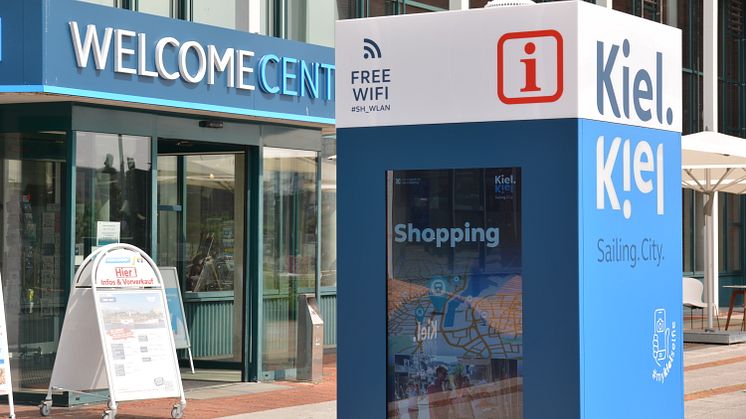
(709, 258)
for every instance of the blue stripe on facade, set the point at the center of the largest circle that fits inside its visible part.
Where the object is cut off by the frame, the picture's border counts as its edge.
(161, 102)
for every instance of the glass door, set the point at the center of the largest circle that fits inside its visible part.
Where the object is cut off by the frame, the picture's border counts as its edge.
(201, 233)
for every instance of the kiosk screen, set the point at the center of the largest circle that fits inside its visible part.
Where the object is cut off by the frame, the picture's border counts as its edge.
(454, 299)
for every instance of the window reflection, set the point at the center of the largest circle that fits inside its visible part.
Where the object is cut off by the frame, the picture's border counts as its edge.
(32, 167)
(290, 235)
(211, 222)
(112, 191)
(329, 221)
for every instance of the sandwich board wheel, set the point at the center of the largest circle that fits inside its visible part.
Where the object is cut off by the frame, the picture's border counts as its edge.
(44, 408)
(177, 411)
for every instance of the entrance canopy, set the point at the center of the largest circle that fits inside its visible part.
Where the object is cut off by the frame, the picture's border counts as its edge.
(712, 162)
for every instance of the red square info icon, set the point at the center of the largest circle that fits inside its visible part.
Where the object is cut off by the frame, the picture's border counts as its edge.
(529, 67)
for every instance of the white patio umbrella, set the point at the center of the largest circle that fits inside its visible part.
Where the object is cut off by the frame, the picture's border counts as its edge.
(712, 162)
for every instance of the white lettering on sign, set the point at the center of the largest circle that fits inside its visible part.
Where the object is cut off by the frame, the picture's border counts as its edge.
(644, 165)
(449, 236)
(192, 62)
(83, 49)
(183, 53)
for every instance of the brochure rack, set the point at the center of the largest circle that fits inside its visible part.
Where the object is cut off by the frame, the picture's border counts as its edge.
(117, 333)
(176, 311)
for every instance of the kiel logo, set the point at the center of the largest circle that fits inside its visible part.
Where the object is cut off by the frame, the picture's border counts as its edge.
(630, 91)
(643, 164)
(530, 67)
(371, 49)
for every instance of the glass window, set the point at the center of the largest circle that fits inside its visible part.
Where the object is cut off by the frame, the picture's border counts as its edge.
(329, 217)
(156, 7)
(32, 167)
(290, 235)
(699, 232)
(169, 209)
(304, 20)
(729, 237)
(649, 9)
(396, 7)
(733, 231)
(113, 185)
(217, 13)
(212, 222)
(686, 212)
(731, 68)
(101, 2)
(320, 18)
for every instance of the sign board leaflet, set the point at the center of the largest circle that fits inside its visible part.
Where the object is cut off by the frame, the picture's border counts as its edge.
(118, 294)
(176, 311)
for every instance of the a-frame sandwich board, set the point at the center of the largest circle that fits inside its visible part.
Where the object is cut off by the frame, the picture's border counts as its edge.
(116, 333)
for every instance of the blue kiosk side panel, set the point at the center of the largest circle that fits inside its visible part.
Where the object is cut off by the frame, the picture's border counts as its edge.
(546, 153)
(631, 313)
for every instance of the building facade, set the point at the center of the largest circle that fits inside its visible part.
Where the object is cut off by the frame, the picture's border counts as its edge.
(208, 146)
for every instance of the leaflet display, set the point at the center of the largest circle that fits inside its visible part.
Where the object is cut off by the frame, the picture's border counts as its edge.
(176, 311)
(175, 307)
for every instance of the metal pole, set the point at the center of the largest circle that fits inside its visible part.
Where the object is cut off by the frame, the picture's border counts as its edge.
(709, 243)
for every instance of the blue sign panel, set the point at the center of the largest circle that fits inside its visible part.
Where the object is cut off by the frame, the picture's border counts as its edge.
(454, 310)
(80, 49)
(631, 257)
(373, 350)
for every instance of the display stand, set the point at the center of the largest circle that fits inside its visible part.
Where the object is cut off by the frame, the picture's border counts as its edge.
(6, 385)
(541, 164)
(176, 311)
(116, 333)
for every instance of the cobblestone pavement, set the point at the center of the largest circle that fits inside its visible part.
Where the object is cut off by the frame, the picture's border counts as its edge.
(224, 400)
(714, 387)
(715, 381)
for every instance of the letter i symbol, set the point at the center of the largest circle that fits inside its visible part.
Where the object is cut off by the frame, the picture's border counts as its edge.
(530, 64)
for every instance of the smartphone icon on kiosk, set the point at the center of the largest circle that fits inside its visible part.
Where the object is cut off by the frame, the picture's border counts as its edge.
(660, 337)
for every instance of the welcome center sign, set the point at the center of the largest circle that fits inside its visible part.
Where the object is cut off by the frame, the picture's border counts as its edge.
(552, 139)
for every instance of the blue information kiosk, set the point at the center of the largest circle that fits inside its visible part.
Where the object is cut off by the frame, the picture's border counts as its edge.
(509, 215)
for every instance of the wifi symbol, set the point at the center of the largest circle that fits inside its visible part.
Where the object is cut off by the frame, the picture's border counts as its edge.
(371, 49)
